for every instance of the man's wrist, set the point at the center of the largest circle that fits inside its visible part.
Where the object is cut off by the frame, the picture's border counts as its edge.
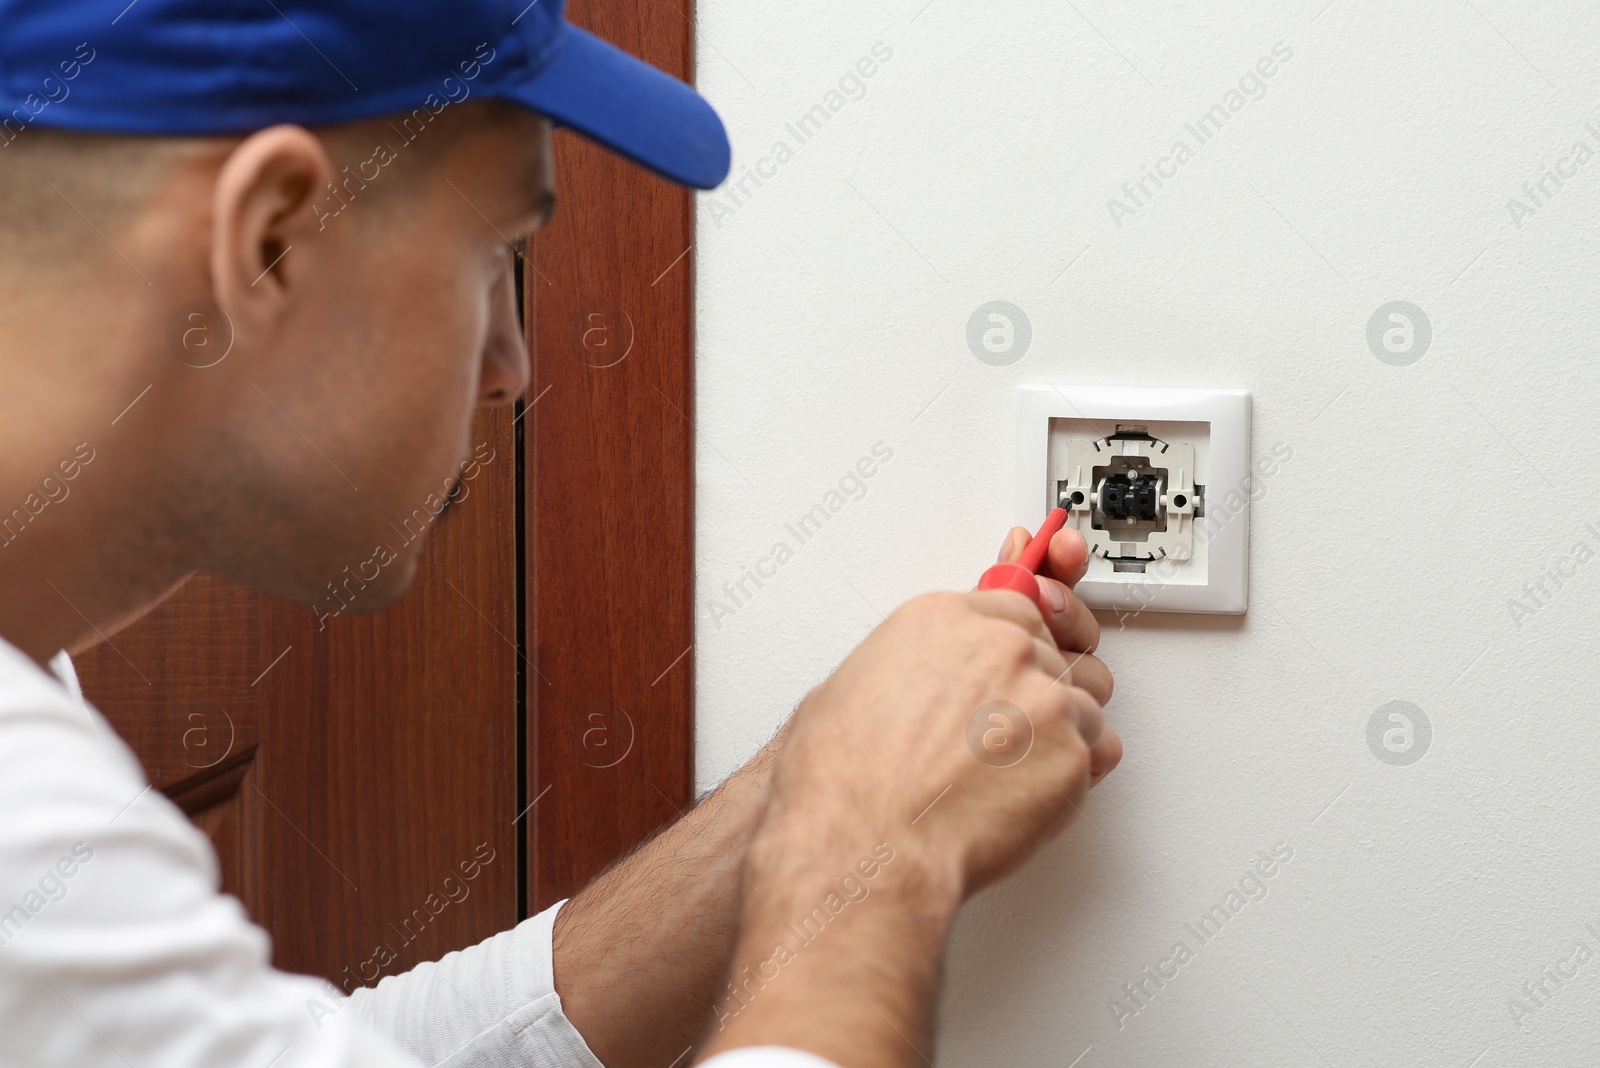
(844, 928)
(733, 812)
(790, 862)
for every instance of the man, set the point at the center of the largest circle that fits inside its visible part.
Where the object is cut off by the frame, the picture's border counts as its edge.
(358, 245)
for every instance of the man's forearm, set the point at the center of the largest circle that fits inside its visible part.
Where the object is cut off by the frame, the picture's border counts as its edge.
(840, 958)
(641, 954)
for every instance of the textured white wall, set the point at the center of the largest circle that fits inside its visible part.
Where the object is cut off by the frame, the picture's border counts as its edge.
(1378, 166)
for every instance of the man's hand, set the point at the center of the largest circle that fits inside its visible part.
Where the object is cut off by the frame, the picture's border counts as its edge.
(1076, 631)
(890, 737)
(897, 754)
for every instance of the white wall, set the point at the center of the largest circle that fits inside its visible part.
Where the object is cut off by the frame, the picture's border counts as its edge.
(1420, 499)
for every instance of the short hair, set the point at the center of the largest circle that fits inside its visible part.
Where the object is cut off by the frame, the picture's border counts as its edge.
(59, 187)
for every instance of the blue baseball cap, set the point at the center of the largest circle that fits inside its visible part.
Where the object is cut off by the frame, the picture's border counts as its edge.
(207, 67)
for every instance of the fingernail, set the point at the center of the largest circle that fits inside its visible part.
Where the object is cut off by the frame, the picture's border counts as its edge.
(1055, 594)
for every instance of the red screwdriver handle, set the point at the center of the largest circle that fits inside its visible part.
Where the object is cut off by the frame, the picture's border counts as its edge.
(1019, 576)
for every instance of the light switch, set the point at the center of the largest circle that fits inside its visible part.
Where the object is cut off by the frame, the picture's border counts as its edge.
(1144, 474)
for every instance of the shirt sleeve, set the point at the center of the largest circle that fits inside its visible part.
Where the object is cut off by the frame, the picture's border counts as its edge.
(117, 949)
(493, 1005)
(767, 1057)
(115, 946)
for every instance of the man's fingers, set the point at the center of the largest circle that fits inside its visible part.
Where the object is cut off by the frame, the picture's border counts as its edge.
(1104, 755)
(1075, 629)
(1064, 668)
(1089, 673)
(1066, 560)
(1006, 605)
(1091, 722)
(1010, 549)
(1050, 660)
(1069, 619)
(1068, 557)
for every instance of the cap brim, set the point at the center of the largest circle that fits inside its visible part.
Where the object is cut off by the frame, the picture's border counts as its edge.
(629, 107)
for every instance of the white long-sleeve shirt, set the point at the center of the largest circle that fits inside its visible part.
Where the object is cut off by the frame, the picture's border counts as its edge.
(117, 950)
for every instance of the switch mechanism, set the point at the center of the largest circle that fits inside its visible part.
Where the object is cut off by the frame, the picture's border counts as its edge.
(1132, 496)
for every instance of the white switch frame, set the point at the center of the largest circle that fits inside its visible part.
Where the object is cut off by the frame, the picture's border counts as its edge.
(1224, 471)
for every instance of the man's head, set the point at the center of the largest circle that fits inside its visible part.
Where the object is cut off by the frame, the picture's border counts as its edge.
(274, 335)
(317, 315)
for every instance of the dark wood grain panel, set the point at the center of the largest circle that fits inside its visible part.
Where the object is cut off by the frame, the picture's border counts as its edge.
(610, 492)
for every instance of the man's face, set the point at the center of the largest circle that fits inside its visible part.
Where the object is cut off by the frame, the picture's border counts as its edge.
(350, 422)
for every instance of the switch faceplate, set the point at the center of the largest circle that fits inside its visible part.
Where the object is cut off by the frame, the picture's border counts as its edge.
(1135, 469)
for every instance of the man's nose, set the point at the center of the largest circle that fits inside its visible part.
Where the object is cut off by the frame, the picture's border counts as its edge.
(505, 356)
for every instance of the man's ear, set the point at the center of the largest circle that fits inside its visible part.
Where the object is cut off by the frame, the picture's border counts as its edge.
(262, 219)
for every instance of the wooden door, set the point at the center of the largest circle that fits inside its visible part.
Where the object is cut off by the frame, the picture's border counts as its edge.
(383, 789)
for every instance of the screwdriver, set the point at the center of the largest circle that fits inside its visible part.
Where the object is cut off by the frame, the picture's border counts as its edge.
(1019, 575)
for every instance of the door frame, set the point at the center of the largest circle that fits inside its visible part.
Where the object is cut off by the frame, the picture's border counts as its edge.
(607, 440)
